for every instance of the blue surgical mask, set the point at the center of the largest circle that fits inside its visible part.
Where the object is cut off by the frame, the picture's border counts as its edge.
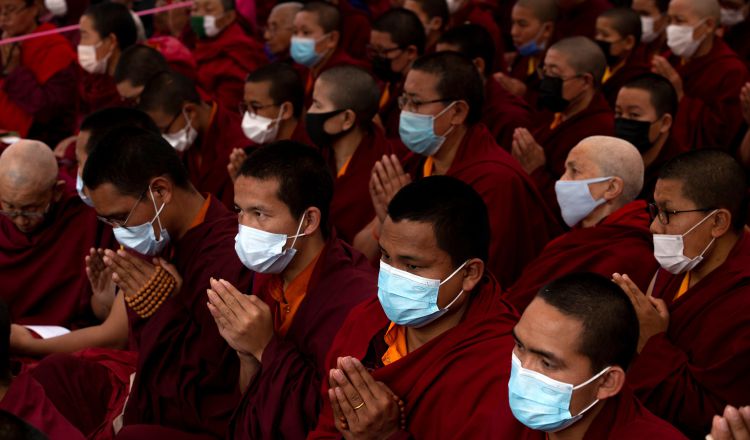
(417, 132)
(142, 238)
(540, 402)
(575, 200)
(81, 194)
(302, 50)
(409, 299)
(531, 47)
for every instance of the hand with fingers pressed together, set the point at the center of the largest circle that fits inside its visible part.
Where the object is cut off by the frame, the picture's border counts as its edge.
(388, 177)
(131, 273)
(244, 321)
(653, 314)
(734, 424)
(100, 278)
(363, 408)
(527, 151)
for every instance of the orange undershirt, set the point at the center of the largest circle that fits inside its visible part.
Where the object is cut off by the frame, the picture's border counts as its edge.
(683, 287)
(395, 337)
(609, 73)
(385, 97)
(343, 169)
(201, 217)
(556, 121)
(428, 167)
(533, 63)
(288, 301)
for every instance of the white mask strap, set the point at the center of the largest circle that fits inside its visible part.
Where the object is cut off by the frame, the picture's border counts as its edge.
(700, 222)
(597, 376)
(158, 210)
(454, 272)
(454, 300)
(297, 234)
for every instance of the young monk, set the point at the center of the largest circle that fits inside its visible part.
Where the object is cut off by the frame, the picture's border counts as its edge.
(480, 13)
(137, 65)
(434, 15)
(307, 280)
(654, 20)
(437, 320)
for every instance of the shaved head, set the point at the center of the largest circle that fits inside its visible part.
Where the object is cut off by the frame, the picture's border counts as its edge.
(616, 157)
(543, 10)
(352, 88)
(287, 10)
(703, 8)
(583, 55)
(28, 165)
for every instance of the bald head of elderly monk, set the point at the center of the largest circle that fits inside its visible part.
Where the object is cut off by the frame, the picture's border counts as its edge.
(602, 174)
(29, 184)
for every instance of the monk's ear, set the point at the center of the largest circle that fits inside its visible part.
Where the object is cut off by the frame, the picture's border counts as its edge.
(722, 222)
(411, 52)
(461, 113)
(615, 188)
(57, 190)
(163, 190)
(666, 123)
(111, 41)
(548, 30)
(630, 42)
(311, 223)
(435, 23)
(350, 119)
(287, 110)
(611, 383)
(333, 38)
(228, 18)
(473, 273)
(479, 63)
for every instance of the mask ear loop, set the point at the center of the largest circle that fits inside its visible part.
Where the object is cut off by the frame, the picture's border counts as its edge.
(597, 376)
(158, 211)
(462, 290)
(297, 234)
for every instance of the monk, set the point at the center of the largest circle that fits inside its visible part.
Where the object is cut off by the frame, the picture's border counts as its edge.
(447, 87)
(35, 89)
(181, 356)
(436, 329)
(644, 116)
(223, 52)
(137, 65)
(45, 234)
(107, 29)
(302, 292)
(339, 122)
(204, 133)
(435, 17)
(736, 27)
(396, 41)
(610, 230)
(502, 111)
(316, 44)
(693, 332)
(574, 110)
(618, 34)
(578, 17)
(706, 74)
(480, 13)
(279, 29)
(654, 22)
(581, 331)
(271, 111)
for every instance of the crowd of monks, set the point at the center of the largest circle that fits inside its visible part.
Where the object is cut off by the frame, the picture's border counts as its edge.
(375, 219)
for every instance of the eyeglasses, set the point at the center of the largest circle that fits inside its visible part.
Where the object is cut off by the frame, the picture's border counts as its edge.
(118, 223)
(373, 52)
(168, 128)
(663, 215)
(411, 104)
(31, 215)
(252, 108)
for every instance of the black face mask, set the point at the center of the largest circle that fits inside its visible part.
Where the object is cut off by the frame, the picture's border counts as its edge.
(606, 47)
(381, 67)
(314, 124)
(635, 132)
(550, 95)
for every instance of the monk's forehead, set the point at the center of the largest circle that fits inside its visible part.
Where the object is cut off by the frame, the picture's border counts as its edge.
(412, 238)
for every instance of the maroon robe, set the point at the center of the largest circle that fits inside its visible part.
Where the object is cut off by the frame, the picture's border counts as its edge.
(479, 13)
(700, 364)
(207, 159)
(519, 70)
(619, 243)
(44, 273)
(355, 30)
(97, 91)
(595, 120)
(390, 113)
(519, 219)
(709, 115)
(454, 386)
(224, 62)
(636, 64)
(283, 398)
(580, 20)
(503, 112)
(351, 207)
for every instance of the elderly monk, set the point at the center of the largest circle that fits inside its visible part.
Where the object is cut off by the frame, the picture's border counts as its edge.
(447, 88)
(304, 287)
(436, 330)
(278, 31)
(695, 338)
(706, 74)
(45, 234)
(603, 176)
(581, 331)
(574, 109)
(139, 186)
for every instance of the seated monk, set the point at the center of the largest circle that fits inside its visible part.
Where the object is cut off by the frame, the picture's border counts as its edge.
(654, 22)
(307, 280)
(396, 40)
(107, 29)
(139, 186)
(502, 111)
(578, 18)
(694, 337)
(574, 344)
(204, 133)
(316, 43)
(618, 34)
(644, 116)
(36, 92)
(45, 234)
(279, 29)
(223, 52)
(339, 122)
(736, 26)
(434, 15)
(137, 65)
(574, 110)
(436, 329)
(706, 74)
(440, 125)
(480, 13)
(597, 196)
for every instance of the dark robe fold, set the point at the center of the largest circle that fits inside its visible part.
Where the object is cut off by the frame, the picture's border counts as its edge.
(96, 91)
(519, 69)
(700, 364)
(619, 243)
(455, 386)
(738, 38)
(520, 222)
(503, 112)
(580, 19)
(355, 30)
(283, 398)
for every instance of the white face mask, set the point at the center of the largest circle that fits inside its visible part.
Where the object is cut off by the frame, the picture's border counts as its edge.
(260, 129)
(183, 139)
(209, 26)
(57, 8)
(647, 24)
(87, 58)
(81, 194)
(731, 17)
(680, 39)
(669, 250)
(264, 252)
(575, 200)
(142, 238)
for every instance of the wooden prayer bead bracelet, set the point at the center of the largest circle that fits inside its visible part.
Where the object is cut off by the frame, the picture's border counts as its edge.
(152, 295)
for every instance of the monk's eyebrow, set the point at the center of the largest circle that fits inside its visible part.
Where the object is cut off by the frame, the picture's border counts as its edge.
(538, 352)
